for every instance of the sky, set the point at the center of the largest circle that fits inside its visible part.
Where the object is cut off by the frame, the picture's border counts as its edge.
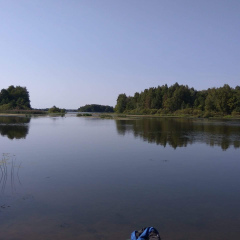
(70, 53)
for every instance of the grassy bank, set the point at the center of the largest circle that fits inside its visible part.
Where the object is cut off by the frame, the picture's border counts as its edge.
(184, 113)
(23, 112)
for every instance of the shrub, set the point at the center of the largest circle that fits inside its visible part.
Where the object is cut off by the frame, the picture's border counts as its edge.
(208, 114)
(197, 112)
(153, 111)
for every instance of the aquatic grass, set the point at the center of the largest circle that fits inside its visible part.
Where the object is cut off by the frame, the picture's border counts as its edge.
(107, 116)
(84, 115)
(7, 159)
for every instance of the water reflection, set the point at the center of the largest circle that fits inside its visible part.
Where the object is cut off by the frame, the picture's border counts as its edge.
(14, 127)
(181, 132)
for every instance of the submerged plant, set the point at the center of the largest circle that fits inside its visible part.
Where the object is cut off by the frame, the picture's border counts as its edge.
(84, 115)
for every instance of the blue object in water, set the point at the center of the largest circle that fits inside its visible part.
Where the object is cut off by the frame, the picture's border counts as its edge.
(150, 233)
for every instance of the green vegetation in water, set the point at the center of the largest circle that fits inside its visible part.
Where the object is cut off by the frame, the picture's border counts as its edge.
(57, 110)
(9, 171)
(121, 115)
(180, 100)
(96, 108)
(108, 116)
(84, 115)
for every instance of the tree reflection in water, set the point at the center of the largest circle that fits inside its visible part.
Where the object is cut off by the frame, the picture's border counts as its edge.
(178, 132)
(14, 127)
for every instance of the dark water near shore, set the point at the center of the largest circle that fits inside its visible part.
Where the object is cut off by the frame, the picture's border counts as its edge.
(85, 178)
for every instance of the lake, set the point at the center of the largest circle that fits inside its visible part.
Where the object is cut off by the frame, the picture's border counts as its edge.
(88, 178)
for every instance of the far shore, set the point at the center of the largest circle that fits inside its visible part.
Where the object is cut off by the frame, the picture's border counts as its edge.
(118, 116)
(123, 116)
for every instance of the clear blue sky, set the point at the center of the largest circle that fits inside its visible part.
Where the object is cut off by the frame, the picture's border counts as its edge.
(70, 53)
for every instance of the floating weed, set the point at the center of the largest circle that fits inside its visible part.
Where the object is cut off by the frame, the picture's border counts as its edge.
(121, 116)
(108, 116)
(84, 115)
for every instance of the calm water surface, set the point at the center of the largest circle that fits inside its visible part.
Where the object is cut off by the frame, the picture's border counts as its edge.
(84, 178)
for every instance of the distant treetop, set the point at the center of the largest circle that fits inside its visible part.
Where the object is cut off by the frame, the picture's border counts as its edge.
(55, 109)
(95, 108)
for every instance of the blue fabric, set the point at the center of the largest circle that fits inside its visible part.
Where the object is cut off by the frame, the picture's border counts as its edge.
(144, 235)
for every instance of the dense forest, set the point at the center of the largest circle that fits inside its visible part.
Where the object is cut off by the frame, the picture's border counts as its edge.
(14, 98)
(96, 108)
(180, 99)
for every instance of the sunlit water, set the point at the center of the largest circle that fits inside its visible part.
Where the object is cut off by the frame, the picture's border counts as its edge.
(84, 178)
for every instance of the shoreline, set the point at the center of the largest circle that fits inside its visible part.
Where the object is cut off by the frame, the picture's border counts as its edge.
(137, 116)
(117, 116)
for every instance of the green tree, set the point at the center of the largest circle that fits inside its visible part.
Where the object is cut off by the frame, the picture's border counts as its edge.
(121, 103)
(55, 109)
(17, 97)
(95, 108)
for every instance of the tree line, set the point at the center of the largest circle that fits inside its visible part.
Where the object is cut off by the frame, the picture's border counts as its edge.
(181, 99)
(95, 108)
(176, 99)
(14, 98)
